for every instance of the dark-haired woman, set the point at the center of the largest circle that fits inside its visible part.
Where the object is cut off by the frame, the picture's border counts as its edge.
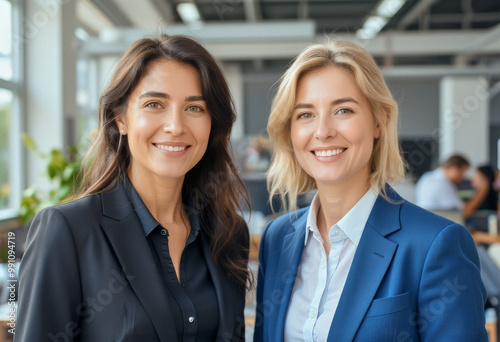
(485, 196)
(153, 249)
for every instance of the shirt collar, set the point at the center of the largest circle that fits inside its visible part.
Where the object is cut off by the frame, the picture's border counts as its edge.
(311, 223)
(148, 222)
(352, 224)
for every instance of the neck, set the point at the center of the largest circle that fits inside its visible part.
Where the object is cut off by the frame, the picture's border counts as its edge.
(162, 196)
(337, 199)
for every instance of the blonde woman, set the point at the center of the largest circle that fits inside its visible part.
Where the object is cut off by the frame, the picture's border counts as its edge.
(360, 263)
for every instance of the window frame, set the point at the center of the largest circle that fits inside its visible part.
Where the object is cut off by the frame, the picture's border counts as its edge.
(16, 86)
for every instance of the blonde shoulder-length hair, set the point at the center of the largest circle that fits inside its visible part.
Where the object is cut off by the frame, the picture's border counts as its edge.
(286, 177)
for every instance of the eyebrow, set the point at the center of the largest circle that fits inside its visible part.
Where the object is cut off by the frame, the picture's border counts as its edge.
(167, 96)
(334, 103)
(195, 98)
(154, 94)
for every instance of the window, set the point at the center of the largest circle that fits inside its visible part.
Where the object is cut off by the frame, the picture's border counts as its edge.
(10, 110)
(5, 153)
(6, 68)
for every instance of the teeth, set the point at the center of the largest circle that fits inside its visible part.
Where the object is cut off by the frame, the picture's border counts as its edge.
(171, 148)
(328, 153)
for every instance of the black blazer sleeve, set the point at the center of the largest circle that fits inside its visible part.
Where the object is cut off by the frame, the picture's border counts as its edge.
(49, 281)
(243, 251)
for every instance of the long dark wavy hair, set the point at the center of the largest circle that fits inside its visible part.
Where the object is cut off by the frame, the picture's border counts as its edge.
(491, 200)
(213, 186)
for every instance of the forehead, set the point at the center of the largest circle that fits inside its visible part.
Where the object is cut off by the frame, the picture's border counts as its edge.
(329, 81)
(169, 76)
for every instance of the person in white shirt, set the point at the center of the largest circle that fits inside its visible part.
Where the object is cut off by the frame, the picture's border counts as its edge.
(437, 189)
(360, 263)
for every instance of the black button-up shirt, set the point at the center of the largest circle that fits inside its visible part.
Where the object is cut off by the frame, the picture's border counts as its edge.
(196, 313)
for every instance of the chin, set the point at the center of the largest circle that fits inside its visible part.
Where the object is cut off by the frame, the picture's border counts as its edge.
(327, 179)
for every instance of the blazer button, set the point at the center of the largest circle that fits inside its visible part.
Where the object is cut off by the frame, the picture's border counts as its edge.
(191, 319)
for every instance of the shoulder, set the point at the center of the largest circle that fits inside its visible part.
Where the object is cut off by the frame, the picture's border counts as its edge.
(68, 215)
(78, 206)
(411, 212)
(278, 228)
(285, 223)
(423, 225)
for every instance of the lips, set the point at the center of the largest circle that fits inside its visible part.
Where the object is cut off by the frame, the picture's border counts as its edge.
(329, 153)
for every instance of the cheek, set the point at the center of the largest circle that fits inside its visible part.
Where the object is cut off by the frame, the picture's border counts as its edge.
(202, 130)
(140, 127)
(299, 136)
(359, 134)
(145, 124)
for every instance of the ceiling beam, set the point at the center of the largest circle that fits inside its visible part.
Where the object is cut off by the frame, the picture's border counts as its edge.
(91, 31)
(113, 12)
(468, 13)
(417, 10)
(200, 12)
(479, 43)
(165, 9)
(456, 18)
(247, 41)
(143, 14)
(303, 9)
(91, 18)
(252, 10)
(436, 71)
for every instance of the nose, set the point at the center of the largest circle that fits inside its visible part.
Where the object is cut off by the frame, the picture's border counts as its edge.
(174, 122)
(325, 127)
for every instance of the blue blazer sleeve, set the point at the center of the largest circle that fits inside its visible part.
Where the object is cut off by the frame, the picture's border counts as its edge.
(451, 293)
(49, 282)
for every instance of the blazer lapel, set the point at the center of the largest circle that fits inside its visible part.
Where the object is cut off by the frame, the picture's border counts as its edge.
(226, 293)
(123, 229)
(371, 261)
(289, 260)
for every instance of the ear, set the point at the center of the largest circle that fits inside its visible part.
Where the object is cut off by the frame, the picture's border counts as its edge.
(376, 131)
(121, 123)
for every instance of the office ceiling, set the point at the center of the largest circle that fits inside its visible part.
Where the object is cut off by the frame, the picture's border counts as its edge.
(330, 16)
(433, 32)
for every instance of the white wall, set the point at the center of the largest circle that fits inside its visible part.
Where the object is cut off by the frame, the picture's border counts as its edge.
(50, 79)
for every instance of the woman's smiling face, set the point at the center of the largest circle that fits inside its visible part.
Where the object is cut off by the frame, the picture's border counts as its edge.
(167, 121)
(332, 127)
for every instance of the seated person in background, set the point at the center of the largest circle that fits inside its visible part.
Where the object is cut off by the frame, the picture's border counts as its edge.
(437, 189)
(485, 196)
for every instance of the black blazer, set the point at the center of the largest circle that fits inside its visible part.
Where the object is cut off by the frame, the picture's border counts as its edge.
(88, 275)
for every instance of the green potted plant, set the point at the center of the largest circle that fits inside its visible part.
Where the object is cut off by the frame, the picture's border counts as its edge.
(63, 170)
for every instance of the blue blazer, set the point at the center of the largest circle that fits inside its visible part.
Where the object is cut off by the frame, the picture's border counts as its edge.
(88, 275)
(415, 277)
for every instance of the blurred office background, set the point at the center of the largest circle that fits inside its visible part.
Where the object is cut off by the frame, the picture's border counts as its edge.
(440, 58)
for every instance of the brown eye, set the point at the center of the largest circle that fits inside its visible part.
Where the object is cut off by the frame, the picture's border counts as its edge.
(194, 109)
(153, 105)
(304, 116)
(344, 111)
